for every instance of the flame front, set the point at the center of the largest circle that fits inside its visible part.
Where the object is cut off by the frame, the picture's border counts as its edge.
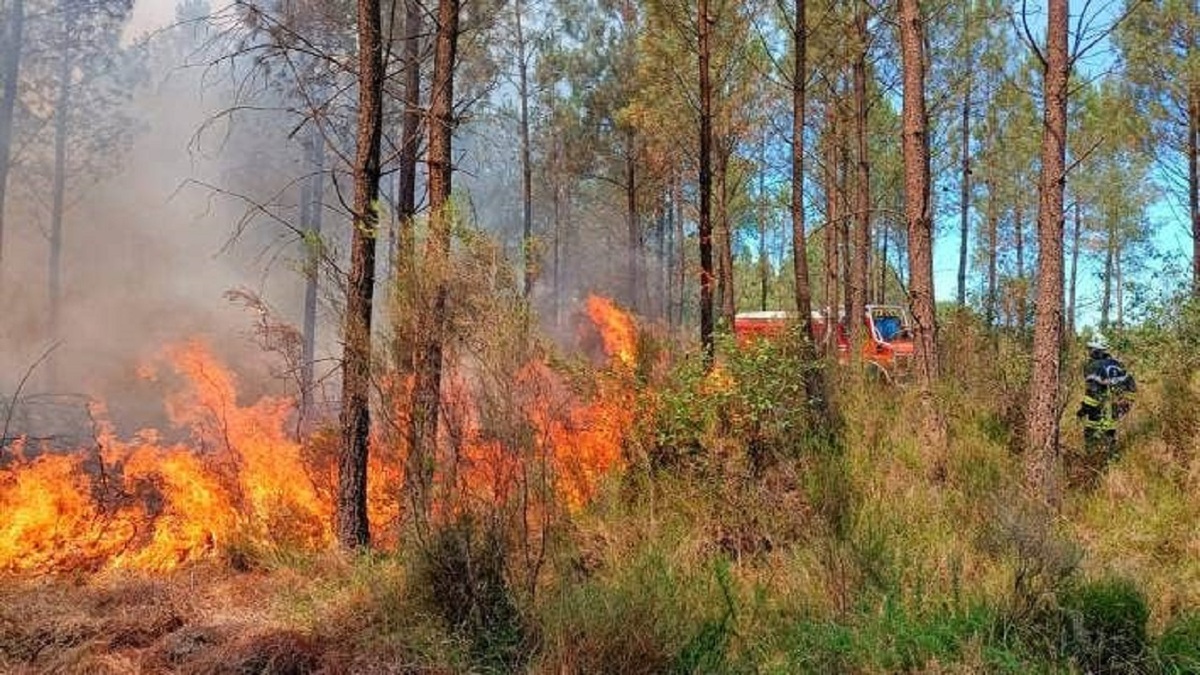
(151, 506)
(616, 329)
(145, 504)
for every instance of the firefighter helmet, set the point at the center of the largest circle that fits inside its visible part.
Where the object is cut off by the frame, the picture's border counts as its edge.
(1098, 343)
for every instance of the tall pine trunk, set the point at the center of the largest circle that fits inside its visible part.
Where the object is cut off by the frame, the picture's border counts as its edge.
(832, 220)
(419, 469)
(1042, 431)
(862, 188)
(964, 196)
(633, 249)
(916, 196)
(528, 251)
(352, 528)
(799, 238)
(993, 253)
(707, 280)
(11, 73)
(62, 121)
(1072, 283)
(1107, 280)
(1193, 148)
(724, 238)
(1022, 292)
(406, 188)
(311, 216)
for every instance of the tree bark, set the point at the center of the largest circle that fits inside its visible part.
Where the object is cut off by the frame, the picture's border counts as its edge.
(764, 265)
(1193, 148)
(419, 469)
(964, 205)
(832, 220)
(558, 205)
(1021, 292)
(406, 188)
(351, 525)
(62, 115)
(705, 183)
(993, 232)
(862, 189)
(8, 102)
(1042, 433)
(799, 238)
(681, 243)
(1075, 237)
(311, 212)
(633, 249)
(1107, 281)
(724, 239)
(916, 196)
(527, 246)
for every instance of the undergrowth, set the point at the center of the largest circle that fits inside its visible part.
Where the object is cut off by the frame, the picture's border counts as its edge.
(750, 531)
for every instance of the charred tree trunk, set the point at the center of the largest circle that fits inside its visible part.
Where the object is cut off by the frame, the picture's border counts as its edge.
(419, 469)
(13, 43)
(1042, 433)
(916, 196)
(352, 528)
(406, 186)
(799, 238)
(703, 21)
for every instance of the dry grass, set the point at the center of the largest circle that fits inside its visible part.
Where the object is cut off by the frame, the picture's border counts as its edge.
(202, 620)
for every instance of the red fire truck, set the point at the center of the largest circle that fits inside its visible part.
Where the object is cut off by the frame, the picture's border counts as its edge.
(887, 335)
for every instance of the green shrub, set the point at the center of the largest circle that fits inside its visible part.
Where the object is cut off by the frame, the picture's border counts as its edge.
(462, 576)
(1178, 648)
(768, 406)
(894, 639)
(1104, 626)
(643, 616)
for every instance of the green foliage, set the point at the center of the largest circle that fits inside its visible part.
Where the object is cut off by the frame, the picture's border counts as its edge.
(768, 406)
(1104, 626)
(1178, 648)
(755, 398)
(647, 615)
(462, 576)
(895, 639)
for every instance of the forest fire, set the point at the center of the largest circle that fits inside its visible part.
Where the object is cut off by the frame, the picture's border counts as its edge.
(145, 504)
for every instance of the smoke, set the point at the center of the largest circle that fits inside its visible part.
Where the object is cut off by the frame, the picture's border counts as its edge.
(149, 248)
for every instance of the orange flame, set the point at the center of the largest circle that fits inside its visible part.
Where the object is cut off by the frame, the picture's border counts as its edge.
(145, 504)
(616, 329)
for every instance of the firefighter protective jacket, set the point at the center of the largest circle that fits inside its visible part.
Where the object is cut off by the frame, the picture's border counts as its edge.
(1109, 389)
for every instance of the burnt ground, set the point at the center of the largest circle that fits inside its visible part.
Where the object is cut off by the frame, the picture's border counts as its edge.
(204, 620)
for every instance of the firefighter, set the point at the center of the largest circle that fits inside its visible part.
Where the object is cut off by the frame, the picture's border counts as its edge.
(1107, 397)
